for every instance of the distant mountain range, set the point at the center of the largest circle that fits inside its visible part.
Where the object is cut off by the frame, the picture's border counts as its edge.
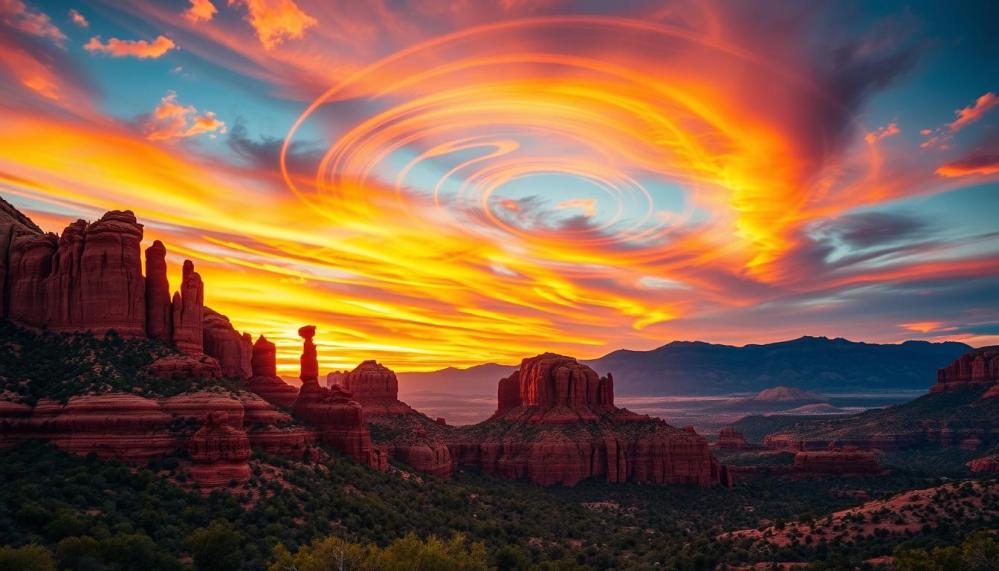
(697, 368)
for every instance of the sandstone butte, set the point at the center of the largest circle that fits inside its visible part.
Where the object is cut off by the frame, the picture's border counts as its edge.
(556, 421)
(409, 436)
(556, 424)
(731, 439)
(836, 461)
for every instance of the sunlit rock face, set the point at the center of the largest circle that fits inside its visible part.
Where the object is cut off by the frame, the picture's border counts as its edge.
(373, 385)
(556, 424)
(979, 367)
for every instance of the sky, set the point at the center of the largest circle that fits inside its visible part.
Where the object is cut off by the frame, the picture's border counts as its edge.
(449, 182)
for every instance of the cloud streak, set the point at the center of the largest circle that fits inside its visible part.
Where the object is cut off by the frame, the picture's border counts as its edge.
(141, 49)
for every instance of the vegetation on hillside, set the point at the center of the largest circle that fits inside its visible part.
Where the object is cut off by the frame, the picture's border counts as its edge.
(34, 365)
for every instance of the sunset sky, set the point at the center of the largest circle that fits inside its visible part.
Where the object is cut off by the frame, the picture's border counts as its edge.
(437, 182)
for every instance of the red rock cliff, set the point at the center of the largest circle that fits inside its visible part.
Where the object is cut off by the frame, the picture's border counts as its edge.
(89, 279)
(159, 313)
(220, 453)
(233, 350)
(373, 385)
(978, 367)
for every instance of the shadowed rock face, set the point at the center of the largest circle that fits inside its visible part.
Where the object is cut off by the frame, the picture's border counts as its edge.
(730, 439)
(419, 441)
(978, 367)
(836, 461)
(265, 381)
(159, 313)
(556, 424)
(233, 350)
(338, 418)
(220, 453)
(88, 279)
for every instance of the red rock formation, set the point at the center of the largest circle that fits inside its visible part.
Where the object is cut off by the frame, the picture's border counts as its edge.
(220, 453)
(836, 461)
(338, 419)
(991, 393)
(233, 351)
(730, 439)
(185, 367)
(114, 425)
(194, 407)
(979, 367)
(188, 312)
(265, 381)
(376, 388)
(985, 465)
(159, 313)
(14, 227)
(557, 424)
(274, 431)
(67, 284)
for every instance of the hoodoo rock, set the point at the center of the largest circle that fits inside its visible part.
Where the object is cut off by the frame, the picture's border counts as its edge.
(338, 418)
(159, 313)
(836, 461)
(556, 424)
(976, 368)
(410, 436)
(220, 453)
(189, 312)
(232, 350)
(265, 382)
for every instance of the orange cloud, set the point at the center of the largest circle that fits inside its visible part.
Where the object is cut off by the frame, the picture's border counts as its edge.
(141, 49)
(588, 206)
(926, 327)
(889, 130)
(78, 19)
(16, 14)
(172, 120)
(982, 165)
(973, 112)
(276, 20)
(200, 11)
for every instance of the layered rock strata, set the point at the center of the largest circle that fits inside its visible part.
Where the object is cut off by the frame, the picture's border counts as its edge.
(977, 368)
(836, 461)
(556, 424)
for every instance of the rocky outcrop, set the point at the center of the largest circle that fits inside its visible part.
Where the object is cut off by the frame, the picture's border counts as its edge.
(189, 312)
(985, 465)
(220, 453)
(338, 419)
(556, 424)
(265, 382)
(373, 385)
(233, 350)
(159, 313)
(115, 425)
(68, 284)
(836, 461)
(217, 428)
(730, 439)
(978, 368)
(179, 367)
(274, 431)
(408, 435)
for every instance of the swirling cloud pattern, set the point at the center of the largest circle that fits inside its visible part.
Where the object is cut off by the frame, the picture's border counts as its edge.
(446, 183)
